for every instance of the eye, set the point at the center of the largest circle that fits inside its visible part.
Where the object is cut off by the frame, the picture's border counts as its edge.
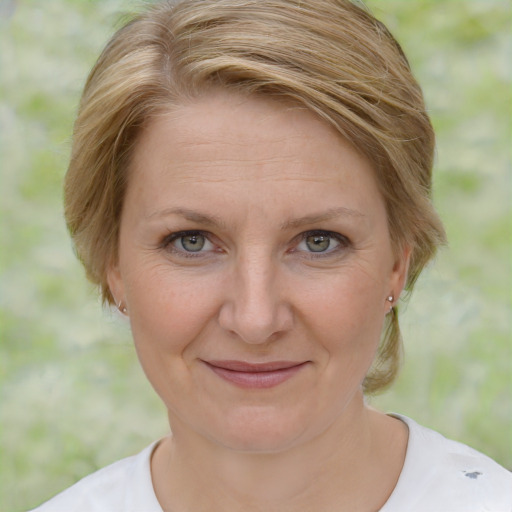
(188, 243)
(321, 242)
(192, 243)
(318, 243)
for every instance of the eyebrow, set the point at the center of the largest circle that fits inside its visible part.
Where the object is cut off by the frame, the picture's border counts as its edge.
(332, 213)
(191, 215)
(214, 221)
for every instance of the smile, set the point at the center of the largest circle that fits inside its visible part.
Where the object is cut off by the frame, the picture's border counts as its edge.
(255, 376)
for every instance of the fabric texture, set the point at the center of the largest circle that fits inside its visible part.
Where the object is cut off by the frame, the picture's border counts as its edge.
(439, 475)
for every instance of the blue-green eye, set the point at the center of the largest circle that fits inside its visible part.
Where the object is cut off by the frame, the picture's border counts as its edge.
(321, 242)
(188, 242)
(192, 243)
(318, 243)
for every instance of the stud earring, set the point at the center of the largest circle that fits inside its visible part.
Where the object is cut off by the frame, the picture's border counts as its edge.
(390, 299)
(122, 308)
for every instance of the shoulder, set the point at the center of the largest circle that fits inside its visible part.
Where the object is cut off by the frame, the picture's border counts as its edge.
(444, 475)
(123, 486)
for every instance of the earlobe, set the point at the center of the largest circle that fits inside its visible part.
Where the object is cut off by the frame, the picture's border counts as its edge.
(116, 285)
(400, 271)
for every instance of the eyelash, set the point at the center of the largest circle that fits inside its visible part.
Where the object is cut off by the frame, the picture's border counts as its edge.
(343, 241)
(169, 239)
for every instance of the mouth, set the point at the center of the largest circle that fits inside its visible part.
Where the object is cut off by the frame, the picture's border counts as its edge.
(255, 375)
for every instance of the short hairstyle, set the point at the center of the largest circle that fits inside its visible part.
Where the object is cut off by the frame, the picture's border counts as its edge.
(330, 56)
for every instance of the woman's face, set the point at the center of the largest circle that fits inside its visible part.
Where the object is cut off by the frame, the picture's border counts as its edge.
(255, 262)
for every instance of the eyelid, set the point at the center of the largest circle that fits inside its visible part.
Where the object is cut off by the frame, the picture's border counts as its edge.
(343, 241)
(168, 240)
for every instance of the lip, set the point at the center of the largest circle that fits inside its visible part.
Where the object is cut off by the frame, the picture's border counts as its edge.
(255, 375)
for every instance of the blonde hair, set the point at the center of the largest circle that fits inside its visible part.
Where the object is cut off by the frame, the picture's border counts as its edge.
(330, 56)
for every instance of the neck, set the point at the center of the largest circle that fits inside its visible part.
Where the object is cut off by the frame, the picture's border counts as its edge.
(330, 469)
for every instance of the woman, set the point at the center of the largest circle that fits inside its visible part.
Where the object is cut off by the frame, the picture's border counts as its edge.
(250, 185)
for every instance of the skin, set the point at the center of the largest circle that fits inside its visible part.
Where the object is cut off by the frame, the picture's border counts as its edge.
(255, 177)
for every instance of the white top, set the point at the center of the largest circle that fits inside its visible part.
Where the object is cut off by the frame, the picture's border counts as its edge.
(439, 475)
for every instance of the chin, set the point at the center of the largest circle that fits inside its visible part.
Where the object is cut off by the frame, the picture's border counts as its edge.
(258, 430)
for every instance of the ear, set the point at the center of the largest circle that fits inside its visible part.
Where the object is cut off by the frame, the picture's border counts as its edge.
(400, 271)
(116, 283)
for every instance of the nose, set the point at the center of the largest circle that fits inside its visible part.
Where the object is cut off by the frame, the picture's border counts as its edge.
(255, 309)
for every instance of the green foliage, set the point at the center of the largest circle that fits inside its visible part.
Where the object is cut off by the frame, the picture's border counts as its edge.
(73, 397)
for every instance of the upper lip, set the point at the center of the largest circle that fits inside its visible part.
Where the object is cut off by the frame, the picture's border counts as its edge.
(244, 366)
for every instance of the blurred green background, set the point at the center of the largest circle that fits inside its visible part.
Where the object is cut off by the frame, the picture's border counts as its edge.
(72, 395)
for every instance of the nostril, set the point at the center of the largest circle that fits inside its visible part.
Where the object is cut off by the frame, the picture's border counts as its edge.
(255, 325)
(254, 306)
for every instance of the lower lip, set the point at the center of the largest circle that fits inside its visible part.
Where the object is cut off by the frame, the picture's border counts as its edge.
(256, 380)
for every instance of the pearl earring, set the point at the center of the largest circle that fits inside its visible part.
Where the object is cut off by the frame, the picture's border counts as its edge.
(390, 299)
(121, 307)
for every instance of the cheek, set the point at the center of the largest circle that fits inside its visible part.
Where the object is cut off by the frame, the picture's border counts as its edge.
(169, 313)
(346, 311)
(169, 309)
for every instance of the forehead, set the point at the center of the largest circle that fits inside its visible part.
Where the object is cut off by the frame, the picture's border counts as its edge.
(245, 129)
(223, 138)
